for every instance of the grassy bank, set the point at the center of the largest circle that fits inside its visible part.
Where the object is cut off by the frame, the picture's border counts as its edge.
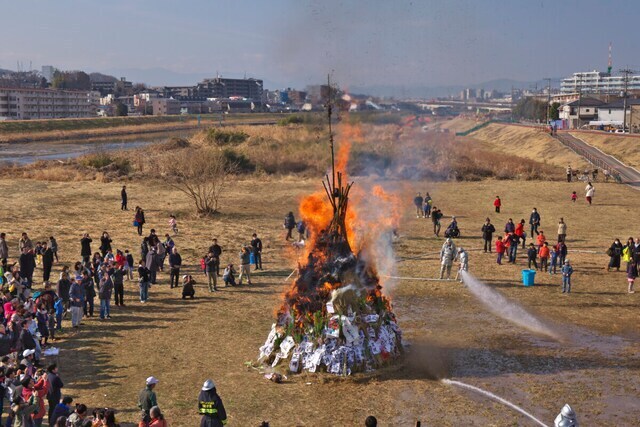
(527, 142)
(625, 148)
(60, 129)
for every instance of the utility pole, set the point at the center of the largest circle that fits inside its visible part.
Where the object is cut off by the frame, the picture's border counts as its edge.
(548, 100)
(625, 72)
(579, 87)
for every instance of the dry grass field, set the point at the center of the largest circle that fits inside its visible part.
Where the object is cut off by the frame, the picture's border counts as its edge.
(527, 142)
(625, 148)
(596, 369)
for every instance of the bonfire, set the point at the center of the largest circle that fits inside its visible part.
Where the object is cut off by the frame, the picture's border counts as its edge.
(334, 317)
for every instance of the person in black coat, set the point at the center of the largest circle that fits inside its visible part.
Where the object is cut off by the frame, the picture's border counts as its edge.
(289, 224)
(85, 245)
(487, 234)
(105, 243)
(216, 250)
(210, 406)
(123, 195)
(47, 262)
(27, 265)
(256, 245)
(614, 252)
(25, 339)
(55, 389)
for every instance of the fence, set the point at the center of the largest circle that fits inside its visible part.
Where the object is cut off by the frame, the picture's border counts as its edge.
(594, 160)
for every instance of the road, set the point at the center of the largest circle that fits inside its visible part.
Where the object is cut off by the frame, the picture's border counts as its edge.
(628, 175)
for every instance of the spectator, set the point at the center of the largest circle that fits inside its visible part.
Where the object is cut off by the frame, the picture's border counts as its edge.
(173, 223)
(216, 250)
(4, 251)
(229, 276)
(139, 219)
(497, 203)
(534, 221)
(105, 243)
(188, 289)
(76, 419)
(47, 262)
(522, 235)
(615, 253)
(53, 244)
(143, 281)
(562, 230)
(289, 225)
(499, 250)
(61, 410)
(76, 298)
(436, 215)
(117, 276)
(544, 256)
(590, 191)
(55, 391)
(509, 227)
(567, 271)
(553, 260)
(487, 234)
(245, 267)
(256, 245)
(632, 273)
(210, 270)
(417, 201)
(104, 293)
(175, 262)
(123, 196)
(85, 251)
(532, 254)
(147, 398)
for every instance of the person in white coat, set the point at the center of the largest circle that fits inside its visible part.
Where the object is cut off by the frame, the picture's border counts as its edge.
(463, 259)
(447, 254)
(589, 192)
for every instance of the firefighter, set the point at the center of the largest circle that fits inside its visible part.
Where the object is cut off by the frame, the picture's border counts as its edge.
(210, 406)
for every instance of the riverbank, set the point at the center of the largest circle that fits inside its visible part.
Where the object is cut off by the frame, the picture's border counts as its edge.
(100, 127)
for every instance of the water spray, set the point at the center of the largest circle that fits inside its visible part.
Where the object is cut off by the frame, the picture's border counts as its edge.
(496, 398)
(499, 305)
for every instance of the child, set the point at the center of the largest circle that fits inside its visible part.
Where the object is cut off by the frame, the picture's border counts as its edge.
(129, 264)
(544, 256)
(38, 250)
(574, 196)
(497, 203)
(554, 260)
(632, 273)
(173, 224)
(499, 250)
(60, 310)
(42, 317)
(532, 253)
(229, 276)
(51, 324)
(567, 271)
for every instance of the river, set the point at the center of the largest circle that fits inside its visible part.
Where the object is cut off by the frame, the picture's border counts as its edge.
(29, 152)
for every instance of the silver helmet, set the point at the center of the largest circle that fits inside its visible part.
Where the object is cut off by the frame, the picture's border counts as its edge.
(208, 385)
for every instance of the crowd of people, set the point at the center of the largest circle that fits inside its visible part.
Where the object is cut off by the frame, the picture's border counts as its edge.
(542, 254)
(33, 317)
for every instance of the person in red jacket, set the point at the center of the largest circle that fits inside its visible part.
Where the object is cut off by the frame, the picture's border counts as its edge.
(522, 235)
(499, 250)
(497, 203)
(40, 388)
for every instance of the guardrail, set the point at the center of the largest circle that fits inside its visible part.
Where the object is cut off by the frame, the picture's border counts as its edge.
(594, 160)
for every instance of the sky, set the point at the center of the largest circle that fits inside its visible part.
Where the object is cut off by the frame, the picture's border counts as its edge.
(292, 43)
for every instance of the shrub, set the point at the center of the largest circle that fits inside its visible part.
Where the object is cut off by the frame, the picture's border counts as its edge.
(293, 119)
(239, 161)
(96, 160)
(225, 137)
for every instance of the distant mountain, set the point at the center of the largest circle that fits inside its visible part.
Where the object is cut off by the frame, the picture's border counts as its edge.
(159, 76)
(417, 91)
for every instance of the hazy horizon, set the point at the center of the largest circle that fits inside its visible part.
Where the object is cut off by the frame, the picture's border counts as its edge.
(295, 43)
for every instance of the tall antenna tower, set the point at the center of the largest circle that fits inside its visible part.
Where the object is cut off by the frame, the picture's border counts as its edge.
(610, 63)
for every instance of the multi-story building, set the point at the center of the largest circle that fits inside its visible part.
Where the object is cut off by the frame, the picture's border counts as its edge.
(107, 87)
(217, 88)
(25, 104)
(598, 82)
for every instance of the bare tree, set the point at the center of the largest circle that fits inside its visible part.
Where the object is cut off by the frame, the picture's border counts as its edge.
(201, 174)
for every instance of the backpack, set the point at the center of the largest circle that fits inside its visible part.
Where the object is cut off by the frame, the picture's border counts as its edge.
(301, 227)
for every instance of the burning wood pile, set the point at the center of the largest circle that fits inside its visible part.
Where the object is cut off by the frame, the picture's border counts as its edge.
(334, 317)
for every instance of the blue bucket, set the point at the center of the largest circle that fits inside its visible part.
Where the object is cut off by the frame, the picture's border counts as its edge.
(252, 258)
(528, 277)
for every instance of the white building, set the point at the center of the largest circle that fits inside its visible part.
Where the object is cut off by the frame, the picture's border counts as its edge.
(598, 82)
(580, 112)
(25, 104)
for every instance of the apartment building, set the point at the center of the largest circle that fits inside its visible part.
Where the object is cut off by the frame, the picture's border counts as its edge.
(594, 82)
(25, 104)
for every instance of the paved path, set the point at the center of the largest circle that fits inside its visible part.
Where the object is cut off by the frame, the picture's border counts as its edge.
(628, 175)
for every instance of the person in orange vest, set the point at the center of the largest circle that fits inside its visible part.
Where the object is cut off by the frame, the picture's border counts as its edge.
(497, 203)
(544, 256)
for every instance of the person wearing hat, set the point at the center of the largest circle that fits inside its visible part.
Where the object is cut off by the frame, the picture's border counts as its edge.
(210, 406)
(567, 271)
(147, 398)
(447, 254)
(27, 362)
